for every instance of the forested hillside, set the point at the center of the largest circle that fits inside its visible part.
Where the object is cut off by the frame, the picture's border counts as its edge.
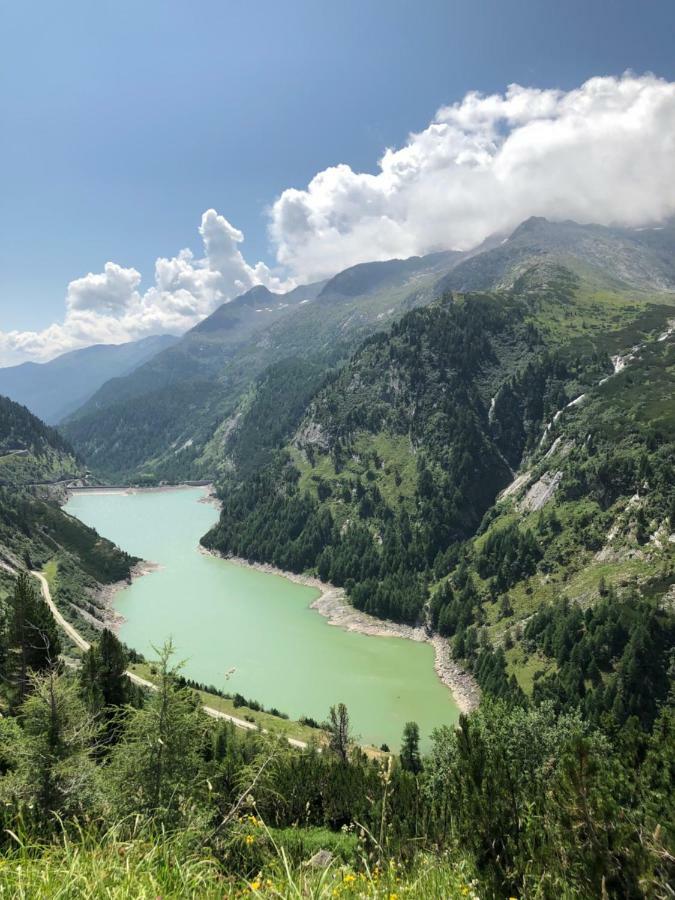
(162, 422)
(31, 451)
(401, 454)
(393, 463)
(35, 532)
(572, 571)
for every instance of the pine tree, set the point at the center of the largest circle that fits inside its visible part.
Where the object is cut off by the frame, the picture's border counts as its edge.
(411, 760)
(102, 675)
(157, 762)
(32, 636)
(52, 753)
(338, 731)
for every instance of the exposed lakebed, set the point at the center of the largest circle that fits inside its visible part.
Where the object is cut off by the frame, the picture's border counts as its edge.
(224, 617)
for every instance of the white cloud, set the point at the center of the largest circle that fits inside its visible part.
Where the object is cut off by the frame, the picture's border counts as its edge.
(108, 293)
(604, 152)
(108, 307)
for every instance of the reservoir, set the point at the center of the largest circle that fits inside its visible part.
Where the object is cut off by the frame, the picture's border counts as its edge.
(254, 633)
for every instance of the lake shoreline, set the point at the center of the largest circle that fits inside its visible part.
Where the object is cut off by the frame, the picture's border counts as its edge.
(333, 605)
(105, 594)
(166, 529)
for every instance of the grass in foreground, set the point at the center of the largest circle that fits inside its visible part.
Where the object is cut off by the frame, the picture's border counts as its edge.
(89, 868)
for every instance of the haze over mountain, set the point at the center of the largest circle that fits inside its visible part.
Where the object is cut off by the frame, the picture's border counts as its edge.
(57, 388)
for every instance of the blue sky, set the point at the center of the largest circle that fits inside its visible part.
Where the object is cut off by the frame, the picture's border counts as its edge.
(124, 121)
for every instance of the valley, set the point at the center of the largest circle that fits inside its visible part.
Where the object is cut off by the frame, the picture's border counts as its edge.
(454, 471)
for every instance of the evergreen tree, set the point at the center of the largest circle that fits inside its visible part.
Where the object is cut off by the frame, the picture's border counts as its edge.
(102, 676)
(51, 755)
(338, 732)
(411, 760)
(156, 764)
(32, 636)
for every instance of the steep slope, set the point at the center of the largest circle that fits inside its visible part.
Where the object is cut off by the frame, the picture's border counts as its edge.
(56, 389)
(392, 462)
(401, 454)
(164, 420)
(35, 531)
(572, 576)
(31, 451)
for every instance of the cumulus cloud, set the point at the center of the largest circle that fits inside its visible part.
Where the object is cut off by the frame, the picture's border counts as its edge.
(604, 152)
(109, 307)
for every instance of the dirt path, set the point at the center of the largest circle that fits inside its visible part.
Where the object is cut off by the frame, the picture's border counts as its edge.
(83, 644)
(69, 629)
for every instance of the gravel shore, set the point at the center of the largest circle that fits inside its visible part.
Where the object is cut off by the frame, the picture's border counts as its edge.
(105, 595)
(334, 605)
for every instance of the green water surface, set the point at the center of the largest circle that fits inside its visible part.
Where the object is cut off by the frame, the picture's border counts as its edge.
(225, 617)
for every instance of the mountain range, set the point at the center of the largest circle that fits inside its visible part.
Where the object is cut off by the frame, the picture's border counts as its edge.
(55, 389)
(168, 418)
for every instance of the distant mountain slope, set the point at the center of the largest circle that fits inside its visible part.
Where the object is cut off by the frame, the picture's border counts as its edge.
(201, 353)
(31, 451)
(618, 257)
(55, 389)
(163, 421)
(170, 418)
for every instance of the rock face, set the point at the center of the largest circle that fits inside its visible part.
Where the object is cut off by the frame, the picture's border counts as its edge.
(541, 492)
(312, 435)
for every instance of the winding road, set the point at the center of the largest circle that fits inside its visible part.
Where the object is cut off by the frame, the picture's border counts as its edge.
(84, 645)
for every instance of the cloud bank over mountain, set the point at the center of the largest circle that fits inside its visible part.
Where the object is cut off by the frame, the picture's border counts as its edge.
(109, 307)
(603, 152)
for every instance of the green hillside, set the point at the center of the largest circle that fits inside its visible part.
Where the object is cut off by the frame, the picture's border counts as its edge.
(403, 452)
(162, 421)
(35, 532)
(31, 451)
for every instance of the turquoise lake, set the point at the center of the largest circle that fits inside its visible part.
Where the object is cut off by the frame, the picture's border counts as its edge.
(224, 618)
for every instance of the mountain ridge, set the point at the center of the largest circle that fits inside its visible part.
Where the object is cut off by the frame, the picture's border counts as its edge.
(215, 365)
(55, 389)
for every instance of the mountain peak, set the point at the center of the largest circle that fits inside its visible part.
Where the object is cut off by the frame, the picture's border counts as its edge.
(530, 226)
(257, 294)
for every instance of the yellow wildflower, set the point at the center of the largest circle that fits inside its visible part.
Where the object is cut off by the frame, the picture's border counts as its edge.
(249, 839)
(349, 878)
(255, 885)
